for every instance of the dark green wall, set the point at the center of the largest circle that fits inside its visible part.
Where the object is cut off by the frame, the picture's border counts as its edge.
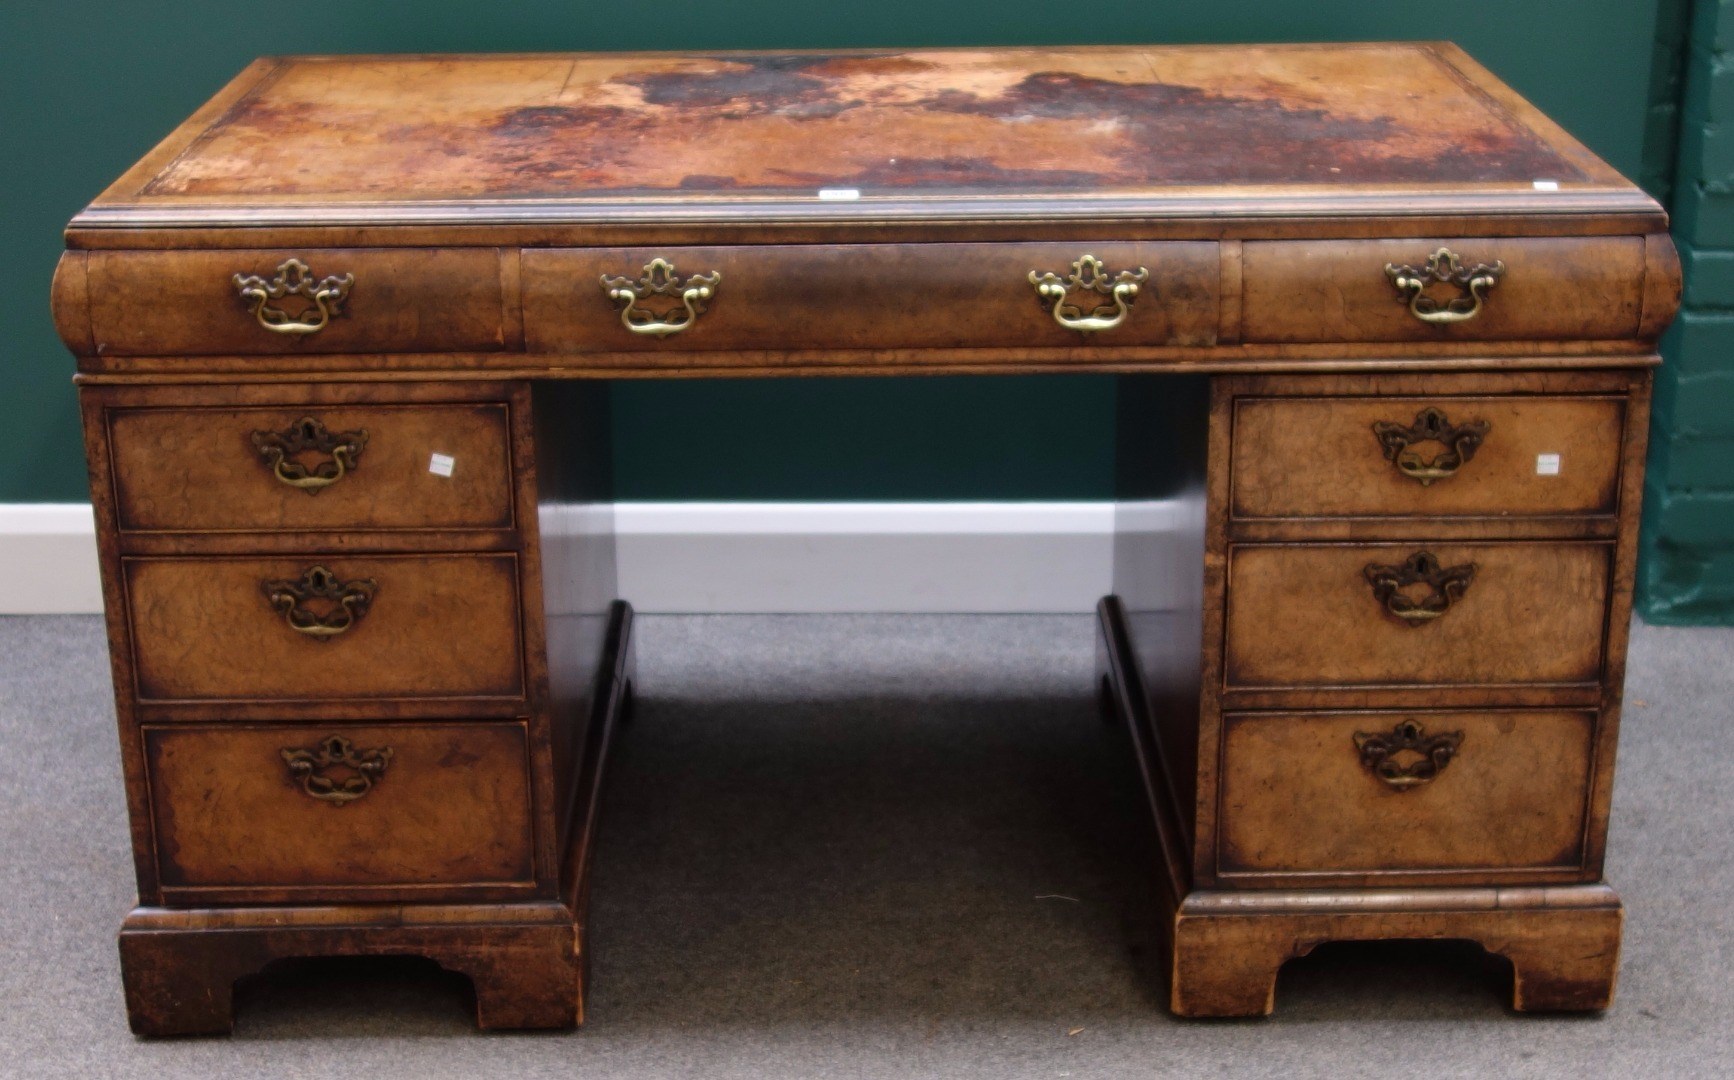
(1686, 569)
(88, 86)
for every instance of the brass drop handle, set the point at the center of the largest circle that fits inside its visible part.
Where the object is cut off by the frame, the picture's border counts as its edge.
(659, 279)
(1460, 441)
(341, 604)
(1445, 586)
(1406, 756)
(323, 298)
(1088, 276)
(1445, 266)
(335, 771)
(280, 450)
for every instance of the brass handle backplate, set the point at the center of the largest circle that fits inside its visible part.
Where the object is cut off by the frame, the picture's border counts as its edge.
(318, 300)
(1406, 756)
(1088, 276)
(1445, 586)
(280, 450)
(659, 280)
(335, 771)
(1445, 266)
(1460, 441)
(338, 605)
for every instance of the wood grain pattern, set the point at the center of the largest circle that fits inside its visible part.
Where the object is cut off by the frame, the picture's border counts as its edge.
(1579, 288)
(439, 626)
(1320, 457)
(878, 296)
(198, 470)
(186, 302)
(1303, 615)
(451, 813)
(1297, 801)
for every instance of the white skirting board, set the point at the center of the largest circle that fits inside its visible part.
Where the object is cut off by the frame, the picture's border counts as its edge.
(735, 557)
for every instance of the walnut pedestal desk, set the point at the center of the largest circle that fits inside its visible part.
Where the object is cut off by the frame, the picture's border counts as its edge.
(1382, 336)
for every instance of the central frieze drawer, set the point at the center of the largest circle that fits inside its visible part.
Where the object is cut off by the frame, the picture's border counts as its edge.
(865, 296)
(334, 809)
(1447, 456)
(1377, 792)
(1341, 615)
(305, 300)
(295, 467)
(1341, 291)
(325, 628)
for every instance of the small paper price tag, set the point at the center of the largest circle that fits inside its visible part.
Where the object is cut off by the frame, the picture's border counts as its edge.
(1547, 464)
(441, 464)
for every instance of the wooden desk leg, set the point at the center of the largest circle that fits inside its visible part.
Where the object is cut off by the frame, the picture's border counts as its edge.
(181, 980)
(1563, 943)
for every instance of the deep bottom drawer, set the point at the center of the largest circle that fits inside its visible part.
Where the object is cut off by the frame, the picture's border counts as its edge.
(1363, 792)
(336, 809)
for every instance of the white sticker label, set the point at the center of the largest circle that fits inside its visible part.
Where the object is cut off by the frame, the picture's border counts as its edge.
(441, 464)
(839, 194)
(1547, 185)
(1547, 464)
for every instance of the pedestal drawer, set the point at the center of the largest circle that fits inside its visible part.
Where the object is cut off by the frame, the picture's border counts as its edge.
(1479, 288)
(325, 628)
(1446, 456)
(331, 810)
(292, 467)
(189, 303)
(1389, 792)
(867, 296)
(1337, 615)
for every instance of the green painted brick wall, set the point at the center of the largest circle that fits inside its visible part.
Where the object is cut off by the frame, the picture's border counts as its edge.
(1686, 573)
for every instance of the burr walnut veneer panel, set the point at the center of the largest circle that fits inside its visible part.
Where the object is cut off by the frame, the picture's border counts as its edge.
(205, 629)
(1587, 288)
(451, 810)
(1305, 615)
(186, 302)
(871, 296)
(1531, 456)
(200, 469)
(1297, 799)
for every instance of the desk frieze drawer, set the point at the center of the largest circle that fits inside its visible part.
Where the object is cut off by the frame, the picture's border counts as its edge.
(1319, 617)
(871, 296)
(291, 467)
(1473, 288)
(1434, 456)
(325, 628)
(246, 301)
(1389, 794)
(340, 812)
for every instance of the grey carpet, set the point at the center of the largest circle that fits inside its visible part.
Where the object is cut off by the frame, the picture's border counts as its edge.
(871, 847)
